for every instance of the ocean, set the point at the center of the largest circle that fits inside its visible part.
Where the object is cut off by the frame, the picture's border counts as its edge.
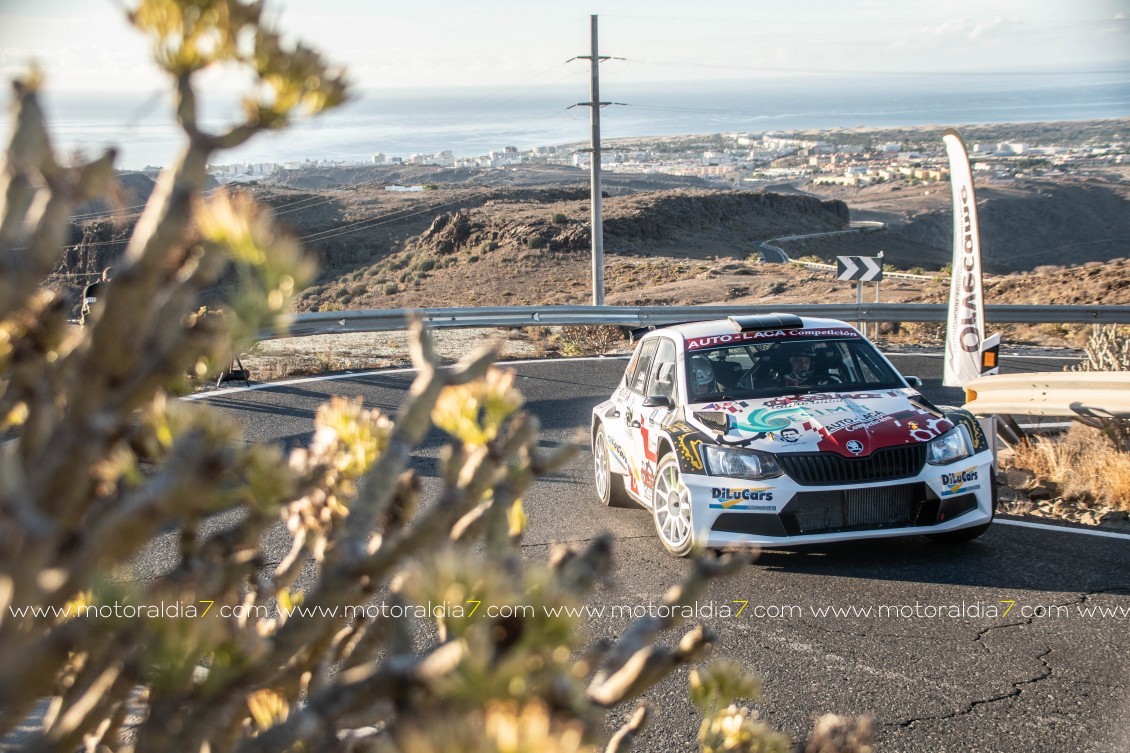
(472, 121)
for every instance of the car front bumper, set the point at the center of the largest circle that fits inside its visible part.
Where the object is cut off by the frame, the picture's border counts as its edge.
(729, 512)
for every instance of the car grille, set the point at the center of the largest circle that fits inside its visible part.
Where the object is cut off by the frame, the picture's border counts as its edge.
(826, 468)
(853, 509)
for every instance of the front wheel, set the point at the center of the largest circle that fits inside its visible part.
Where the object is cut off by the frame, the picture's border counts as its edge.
(671, 508)
(609, 485)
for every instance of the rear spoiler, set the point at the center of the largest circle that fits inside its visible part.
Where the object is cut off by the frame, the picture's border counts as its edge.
(765, 321)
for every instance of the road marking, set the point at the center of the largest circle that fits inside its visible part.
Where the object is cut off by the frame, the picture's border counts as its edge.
(369, 372)
(1046, 527)
(401, 370)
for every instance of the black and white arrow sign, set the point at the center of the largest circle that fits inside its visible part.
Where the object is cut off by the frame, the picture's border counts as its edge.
(862, 268)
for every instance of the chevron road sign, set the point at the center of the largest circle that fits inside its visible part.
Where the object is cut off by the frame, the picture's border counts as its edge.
(861, 268)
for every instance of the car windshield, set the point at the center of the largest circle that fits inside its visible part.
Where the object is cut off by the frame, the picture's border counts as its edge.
(794, 366)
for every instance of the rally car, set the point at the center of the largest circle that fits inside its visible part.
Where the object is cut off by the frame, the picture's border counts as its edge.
(778, 430)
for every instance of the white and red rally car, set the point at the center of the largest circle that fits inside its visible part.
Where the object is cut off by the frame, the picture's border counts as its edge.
(782, 430)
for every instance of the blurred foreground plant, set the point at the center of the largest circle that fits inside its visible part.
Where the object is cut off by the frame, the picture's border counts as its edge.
(365, 634)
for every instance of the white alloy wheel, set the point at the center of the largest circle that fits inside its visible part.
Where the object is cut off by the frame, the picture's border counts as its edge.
(671, 508)
(609, 485)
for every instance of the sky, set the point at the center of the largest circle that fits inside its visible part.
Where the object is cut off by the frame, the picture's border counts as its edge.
(87, 44)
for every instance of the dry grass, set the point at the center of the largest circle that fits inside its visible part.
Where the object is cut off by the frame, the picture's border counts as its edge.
(591, 340)
(1108, 349)
(1084, 464)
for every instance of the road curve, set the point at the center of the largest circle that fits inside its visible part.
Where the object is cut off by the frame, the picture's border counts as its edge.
(938, 669)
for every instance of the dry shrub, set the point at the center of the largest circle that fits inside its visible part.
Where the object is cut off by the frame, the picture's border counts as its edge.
(590, 340)
(1108, 349)
(1083, 463)
(914, 333)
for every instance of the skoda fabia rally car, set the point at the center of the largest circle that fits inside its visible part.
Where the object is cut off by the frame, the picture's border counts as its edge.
(782, 430)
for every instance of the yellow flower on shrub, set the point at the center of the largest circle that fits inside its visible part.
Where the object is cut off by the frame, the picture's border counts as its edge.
(351, 435)
(475, 412)
(267, 708)
(738, 730)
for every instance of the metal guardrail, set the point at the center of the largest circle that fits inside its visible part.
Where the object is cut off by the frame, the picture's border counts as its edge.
(1091, 394)
(860, 226)
(386, 320)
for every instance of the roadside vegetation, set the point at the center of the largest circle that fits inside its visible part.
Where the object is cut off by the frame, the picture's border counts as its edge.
(330, 648)
(1082, 474)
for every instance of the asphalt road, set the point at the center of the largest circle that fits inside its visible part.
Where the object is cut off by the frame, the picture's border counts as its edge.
(943, 669)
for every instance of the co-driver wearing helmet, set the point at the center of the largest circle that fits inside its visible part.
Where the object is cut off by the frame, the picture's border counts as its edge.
(702, 378)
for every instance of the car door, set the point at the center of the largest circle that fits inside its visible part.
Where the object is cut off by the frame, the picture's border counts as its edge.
(622, 426)
(645, 426)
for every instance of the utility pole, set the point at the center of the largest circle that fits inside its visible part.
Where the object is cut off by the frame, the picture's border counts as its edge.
(594, 105)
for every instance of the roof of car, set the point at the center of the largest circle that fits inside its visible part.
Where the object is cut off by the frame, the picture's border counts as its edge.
(717, 327)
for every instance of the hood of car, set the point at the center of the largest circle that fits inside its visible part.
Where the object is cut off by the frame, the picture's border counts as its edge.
(849, 424)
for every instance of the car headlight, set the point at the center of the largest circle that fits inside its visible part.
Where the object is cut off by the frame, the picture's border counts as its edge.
(729, 461)
(952, 446)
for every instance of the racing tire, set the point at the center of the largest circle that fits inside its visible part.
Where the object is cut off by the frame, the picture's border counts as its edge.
(609, 485)
(671, 508)
(967, 534)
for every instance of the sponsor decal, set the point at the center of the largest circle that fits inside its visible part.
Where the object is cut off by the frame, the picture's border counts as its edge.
(698, 343)
(762, 420)
(961, 481)
(935, 427)
(730, 499)
(647, 474)
(687, 440)
(859, 421)
(749, 508)
(817, 398)
(633, 477)
(688, 450)
(854, 446)
(650, 444)
(790, 435)
(728, 407)
(617, 450)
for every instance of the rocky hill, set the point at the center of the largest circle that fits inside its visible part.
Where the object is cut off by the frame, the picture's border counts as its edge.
(467, 240)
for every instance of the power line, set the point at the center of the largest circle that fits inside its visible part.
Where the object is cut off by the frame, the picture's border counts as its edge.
(859, 71)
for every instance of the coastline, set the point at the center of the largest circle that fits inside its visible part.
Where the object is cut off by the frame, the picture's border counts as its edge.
(475, 120)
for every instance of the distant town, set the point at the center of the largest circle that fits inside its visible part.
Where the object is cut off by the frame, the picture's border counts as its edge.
(745, 159)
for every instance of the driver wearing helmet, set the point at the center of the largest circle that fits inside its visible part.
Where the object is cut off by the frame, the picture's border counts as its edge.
(702, 379)
(800, 367)
(804, 371)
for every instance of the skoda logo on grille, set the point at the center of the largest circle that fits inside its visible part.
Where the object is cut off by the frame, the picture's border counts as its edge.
(854, 446)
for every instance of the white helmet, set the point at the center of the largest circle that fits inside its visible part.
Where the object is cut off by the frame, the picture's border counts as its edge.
(702, 375)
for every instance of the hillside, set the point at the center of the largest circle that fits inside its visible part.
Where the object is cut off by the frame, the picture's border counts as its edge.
(470, 240)
(1024, 224)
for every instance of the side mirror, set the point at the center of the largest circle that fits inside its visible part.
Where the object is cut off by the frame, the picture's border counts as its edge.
(657, 401)
(913, 381)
